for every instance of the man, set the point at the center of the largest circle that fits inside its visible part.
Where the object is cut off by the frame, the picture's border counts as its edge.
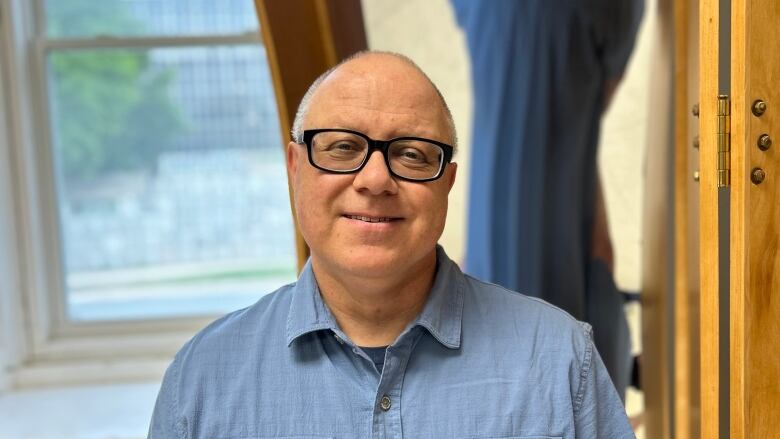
(382, 335)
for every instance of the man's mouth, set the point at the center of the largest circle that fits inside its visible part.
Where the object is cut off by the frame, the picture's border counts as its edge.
(371, 219)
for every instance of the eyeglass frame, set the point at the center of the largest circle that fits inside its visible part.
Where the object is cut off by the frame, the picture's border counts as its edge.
(383, 146)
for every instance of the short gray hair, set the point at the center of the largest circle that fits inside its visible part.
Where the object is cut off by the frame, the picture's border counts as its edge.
(303, 107)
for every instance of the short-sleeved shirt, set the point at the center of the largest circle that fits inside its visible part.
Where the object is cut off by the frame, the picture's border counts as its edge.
(479, 361)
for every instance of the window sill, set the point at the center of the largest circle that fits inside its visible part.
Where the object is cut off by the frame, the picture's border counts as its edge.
(88, 372)
(118, 411)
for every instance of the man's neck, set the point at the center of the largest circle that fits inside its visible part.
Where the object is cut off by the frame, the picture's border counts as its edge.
(374, 311)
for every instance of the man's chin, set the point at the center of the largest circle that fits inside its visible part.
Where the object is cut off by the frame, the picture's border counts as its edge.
(377, 261)
(368, 260)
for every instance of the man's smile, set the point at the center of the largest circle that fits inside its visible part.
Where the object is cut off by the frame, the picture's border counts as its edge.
(372, 219)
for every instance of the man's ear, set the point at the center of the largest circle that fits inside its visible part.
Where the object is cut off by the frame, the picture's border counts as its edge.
(450, 175)
(292, 159)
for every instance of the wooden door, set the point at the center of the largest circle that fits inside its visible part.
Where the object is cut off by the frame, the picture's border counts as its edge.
(742, 398)
(720, 377)
(755, 220)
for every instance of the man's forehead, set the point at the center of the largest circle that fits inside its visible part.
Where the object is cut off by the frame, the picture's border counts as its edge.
(373, 93)
(372, 75)
(383, 85)
(378, 64)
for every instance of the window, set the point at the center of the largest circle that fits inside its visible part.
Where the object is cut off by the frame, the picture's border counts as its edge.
(147, 173)
(172, 193)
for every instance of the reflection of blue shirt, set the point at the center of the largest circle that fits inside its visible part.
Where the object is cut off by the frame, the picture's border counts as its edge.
(479, 361)
(538, 69)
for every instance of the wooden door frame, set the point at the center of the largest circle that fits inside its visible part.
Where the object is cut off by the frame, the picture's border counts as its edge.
(685, 395)
(709, 296)
(739, 202)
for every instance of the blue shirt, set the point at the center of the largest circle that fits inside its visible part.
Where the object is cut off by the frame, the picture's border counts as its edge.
(480, 361)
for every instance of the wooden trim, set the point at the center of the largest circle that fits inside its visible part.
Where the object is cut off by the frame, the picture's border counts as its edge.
(284, 112)
(709, 28)
(345, 18)
(303, 39)
(682, 336)
(323, 20)
(738, 216)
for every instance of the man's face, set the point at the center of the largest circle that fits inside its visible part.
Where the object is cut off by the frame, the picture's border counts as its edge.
(383, 98)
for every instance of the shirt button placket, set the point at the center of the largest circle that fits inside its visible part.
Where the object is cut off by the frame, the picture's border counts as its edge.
(387, 416)
(387, 421)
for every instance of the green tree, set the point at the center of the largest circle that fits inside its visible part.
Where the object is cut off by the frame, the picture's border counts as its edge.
(111, 109)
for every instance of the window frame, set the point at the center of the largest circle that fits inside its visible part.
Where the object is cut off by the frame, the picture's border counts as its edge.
(56, 296)
(44, 347)
(11, 343)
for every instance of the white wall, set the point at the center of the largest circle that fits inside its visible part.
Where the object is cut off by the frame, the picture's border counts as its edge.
(621, 156)
(426, 32)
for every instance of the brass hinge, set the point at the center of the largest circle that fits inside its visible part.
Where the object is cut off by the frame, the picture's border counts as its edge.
(724, 141)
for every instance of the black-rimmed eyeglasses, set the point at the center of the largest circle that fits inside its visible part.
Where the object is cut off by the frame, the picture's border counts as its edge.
(345, 151)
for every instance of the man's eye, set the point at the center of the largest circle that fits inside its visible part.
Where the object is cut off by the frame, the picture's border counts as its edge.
(346, 146)
(343, 147)
(412, 155)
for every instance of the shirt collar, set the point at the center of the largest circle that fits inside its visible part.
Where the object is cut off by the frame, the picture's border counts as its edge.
(443, 312)
(441, 315)
(308, 313)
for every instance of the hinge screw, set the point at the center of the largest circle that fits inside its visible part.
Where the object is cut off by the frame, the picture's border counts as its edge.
(759, 107)
(696, 142)
(695, 110)
(764, 142)
(695, 175)
(757, 175)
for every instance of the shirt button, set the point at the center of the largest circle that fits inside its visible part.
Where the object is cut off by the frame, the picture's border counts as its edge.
(385, 403)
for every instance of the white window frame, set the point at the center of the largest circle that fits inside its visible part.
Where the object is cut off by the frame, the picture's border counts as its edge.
(38, 346)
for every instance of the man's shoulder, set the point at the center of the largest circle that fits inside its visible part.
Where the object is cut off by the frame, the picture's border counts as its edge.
(251, 325)
(510, 308)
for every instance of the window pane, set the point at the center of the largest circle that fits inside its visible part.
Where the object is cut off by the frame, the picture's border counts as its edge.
(173, 191)
(121, 18)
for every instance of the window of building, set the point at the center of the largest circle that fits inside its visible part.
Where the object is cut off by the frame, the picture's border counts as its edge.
(143, 189)
(169, 174)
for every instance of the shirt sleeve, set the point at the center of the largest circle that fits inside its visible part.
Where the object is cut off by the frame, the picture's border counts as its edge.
(598, 411)
(615, 24)
(164, 424)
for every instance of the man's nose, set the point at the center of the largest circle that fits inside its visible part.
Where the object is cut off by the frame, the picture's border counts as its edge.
(375, 177)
